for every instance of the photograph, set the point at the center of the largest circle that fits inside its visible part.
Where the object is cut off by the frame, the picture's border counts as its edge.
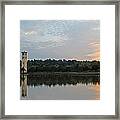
(59, 59)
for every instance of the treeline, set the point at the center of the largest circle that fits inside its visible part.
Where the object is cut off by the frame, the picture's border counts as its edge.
(52, 65)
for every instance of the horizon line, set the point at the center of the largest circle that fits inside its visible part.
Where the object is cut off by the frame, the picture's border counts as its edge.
(62, 59)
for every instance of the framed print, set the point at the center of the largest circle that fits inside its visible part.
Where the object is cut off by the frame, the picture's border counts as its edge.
(60, 60)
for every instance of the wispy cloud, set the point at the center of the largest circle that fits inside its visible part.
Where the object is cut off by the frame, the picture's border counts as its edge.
(96, 28)
(94, 44)
(55, 41)
(30, 33)
(95, 54)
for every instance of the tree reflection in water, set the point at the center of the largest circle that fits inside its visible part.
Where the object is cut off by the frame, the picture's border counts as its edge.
(52, 79)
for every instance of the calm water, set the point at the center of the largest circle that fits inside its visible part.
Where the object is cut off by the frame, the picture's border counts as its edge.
(76, 88)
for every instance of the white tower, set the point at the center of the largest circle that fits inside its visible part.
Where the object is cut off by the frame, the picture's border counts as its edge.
(24, 73)
(24, 61)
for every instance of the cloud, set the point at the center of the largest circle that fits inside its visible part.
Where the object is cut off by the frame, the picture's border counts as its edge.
(30, 33)
(60, 38)
(95, 54)
(96, 28)
(54, 41)
(94, 44)
(43, 42)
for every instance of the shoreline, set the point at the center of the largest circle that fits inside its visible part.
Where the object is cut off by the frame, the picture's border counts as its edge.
(71, 73)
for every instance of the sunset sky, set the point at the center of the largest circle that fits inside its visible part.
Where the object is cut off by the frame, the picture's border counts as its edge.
(61, 39)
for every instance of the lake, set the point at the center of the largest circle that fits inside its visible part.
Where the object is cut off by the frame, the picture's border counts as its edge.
(62, 87)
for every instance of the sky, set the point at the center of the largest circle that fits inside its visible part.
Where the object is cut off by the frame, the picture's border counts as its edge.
(60, 39)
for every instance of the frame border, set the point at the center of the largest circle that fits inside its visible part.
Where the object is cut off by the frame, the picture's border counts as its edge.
(55, 2)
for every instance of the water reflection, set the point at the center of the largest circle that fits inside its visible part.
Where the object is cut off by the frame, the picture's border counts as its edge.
(67, 92)
(95, 88)
(62, 79)
(63, 87)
